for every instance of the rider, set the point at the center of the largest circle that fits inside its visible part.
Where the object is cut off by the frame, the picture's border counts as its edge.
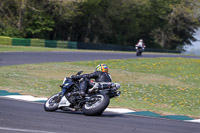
(140, 44)
(100, 75)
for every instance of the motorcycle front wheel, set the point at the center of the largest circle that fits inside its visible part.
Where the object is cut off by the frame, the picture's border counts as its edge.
(52, 103)
(96, 106)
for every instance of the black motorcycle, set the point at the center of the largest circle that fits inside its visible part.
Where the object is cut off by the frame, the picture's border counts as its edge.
(139, 51)
(93, 103)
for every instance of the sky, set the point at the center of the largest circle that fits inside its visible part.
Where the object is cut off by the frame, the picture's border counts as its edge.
(195, 48)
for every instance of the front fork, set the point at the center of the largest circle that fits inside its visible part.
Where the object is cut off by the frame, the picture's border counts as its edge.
(63, 90)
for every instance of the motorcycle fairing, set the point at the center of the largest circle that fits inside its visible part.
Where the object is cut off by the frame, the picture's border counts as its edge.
(63, 102)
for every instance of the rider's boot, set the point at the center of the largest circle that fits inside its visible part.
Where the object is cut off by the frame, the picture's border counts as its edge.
(96, 86)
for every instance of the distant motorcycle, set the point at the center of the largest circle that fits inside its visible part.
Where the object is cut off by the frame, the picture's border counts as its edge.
(139, 51)
(93, 103)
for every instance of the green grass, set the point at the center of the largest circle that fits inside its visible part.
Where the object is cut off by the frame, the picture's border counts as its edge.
(6, 48)
(162, 85)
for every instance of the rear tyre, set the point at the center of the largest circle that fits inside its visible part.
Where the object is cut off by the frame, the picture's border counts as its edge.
(140, 53)
(96, 107)
(137, 54)
(52, 103)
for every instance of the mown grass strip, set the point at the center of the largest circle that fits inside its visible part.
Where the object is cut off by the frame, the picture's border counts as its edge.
(166, 86)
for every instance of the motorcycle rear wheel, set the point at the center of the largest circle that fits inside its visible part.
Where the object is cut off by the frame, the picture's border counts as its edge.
(51, 104)
(139, 53)
(98, 106)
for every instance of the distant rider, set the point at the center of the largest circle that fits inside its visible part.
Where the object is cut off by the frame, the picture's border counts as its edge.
(100, 75)
(140, 44)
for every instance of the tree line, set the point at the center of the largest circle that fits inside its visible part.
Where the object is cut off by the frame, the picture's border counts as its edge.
(168, 24)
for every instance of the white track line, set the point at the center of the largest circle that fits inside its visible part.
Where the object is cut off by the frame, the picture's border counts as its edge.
(26, 97)
(24, 130)
(119, 110)
(196, 120)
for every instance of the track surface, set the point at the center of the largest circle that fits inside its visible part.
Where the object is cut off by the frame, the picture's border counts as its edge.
(26, 117)
(17, 58)
(30, 117)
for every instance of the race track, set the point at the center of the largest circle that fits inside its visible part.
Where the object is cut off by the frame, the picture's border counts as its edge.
(28, 117)
(18, 58)
(20, 117)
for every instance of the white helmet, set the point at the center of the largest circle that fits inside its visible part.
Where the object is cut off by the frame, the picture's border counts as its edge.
(140, 40)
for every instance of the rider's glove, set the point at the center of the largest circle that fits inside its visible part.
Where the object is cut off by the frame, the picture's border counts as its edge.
(74, 77)
(84, 76)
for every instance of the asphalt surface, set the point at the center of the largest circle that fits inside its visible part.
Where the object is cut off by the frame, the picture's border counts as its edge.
(18, 58)
(19, 117)
(27, 117)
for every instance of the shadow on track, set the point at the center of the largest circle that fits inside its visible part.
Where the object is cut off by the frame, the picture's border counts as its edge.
(105, 114)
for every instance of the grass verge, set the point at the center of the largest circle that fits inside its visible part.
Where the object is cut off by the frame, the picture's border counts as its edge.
(162, 85)
(6, 48)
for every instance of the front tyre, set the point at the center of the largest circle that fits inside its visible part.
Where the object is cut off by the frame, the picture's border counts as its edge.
(137, 53)
(96, 107)
(52, 103)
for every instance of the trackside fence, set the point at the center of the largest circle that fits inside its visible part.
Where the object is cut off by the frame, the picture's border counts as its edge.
(4, 40)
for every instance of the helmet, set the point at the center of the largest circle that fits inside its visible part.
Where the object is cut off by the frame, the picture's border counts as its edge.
(102, 68)
(140, 40)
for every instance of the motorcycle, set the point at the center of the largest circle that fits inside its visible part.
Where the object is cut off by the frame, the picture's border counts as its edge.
(93, 103)
(139, 51)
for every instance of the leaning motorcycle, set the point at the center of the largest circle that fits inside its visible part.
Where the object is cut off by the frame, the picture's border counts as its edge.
(93, 103)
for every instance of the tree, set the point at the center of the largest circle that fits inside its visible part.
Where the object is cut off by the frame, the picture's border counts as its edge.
(160, 23)
(8, 18)
(179, 24)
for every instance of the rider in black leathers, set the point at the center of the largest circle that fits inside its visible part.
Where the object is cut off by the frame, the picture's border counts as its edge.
(100, 75)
